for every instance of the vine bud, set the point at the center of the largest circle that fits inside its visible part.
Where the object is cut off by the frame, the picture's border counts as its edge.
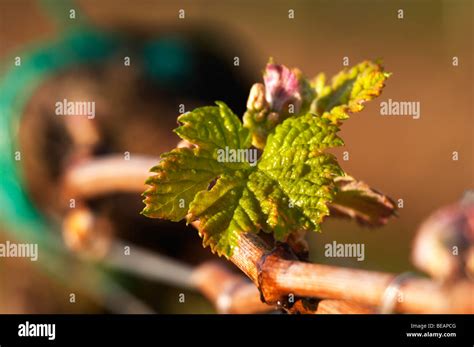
(256, 100)
(282, 87)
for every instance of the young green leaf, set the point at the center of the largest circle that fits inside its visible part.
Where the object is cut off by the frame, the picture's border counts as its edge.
(287, 190)
(355, 199)
(348, 90)
(293, 185)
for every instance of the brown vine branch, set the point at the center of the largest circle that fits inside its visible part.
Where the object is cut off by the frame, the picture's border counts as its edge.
(231, 293)
(278, 277)
(87, 235)
(276, 274)
(106, 175)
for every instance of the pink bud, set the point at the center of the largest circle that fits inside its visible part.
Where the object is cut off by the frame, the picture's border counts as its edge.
(282, 88)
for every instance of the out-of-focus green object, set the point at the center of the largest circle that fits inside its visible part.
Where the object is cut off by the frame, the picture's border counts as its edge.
(17, 86)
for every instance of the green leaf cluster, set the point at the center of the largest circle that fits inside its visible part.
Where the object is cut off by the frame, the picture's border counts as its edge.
(290, 187)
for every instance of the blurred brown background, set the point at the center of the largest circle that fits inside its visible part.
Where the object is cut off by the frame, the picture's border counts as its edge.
(405, 158)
